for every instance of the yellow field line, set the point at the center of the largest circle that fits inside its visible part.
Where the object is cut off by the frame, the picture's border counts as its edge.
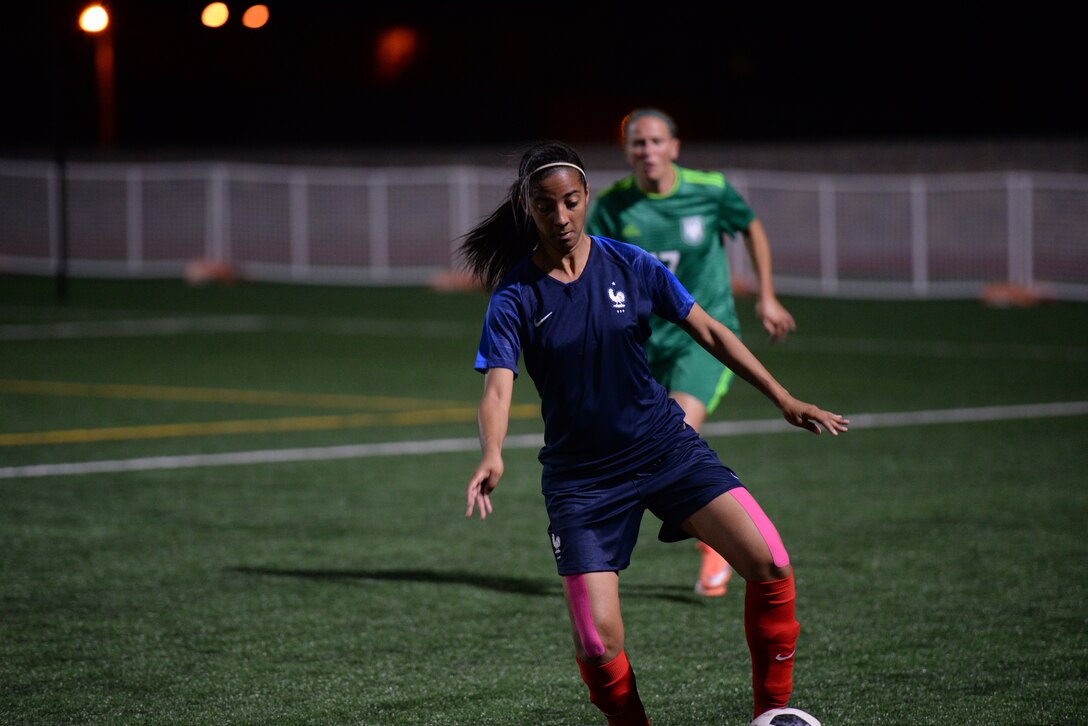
(212, 395)
(257, 426)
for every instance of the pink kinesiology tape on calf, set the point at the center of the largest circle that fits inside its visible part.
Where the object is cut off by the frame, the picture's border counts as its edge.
(764, 525)
(582, 616)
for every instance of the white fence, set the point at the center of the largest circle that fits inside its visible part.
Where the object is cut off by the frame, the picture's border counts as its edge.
(939, 235)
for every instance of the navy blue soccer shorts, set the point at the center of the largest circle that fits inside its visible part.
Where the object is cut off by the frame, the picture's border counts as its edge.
(593, 527)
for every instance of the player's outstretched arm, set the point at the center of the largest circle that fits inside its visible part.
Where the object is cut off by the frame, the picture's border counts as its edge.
(493, 418)
(773, 315)
(727, 347)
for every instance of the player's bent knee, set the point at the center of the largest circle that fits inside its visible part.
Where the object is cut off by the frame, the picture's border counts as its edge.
(779, 556)
(777, 573)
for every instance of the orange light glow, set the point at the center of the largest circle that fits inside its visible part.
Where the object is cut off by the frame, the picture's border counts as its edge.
(215, 15)
(94, 19)
(395, 50)
(255, 16)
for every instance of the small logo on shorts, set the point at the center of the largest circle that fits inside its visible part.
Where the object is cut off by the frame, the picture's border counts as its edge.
(555, 546)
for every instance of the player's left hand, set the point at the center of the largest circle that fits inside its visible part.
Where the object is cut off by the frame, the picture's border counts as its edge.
(775, 319)
(811, 417)
(483, 482)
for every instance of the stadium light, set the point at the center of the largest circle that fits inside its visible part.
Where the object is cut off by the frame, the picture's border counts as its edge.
(255, 16)
(95, 21)
(215, 15)
(395, 50)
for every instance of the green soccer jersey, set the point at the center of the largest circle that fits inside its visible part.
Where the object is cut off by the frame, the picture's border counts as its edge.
(683, 227)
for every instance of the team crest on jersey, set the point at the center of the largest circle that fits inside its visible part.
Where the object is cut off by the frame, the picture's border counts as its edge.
(619, 300)
(691, 230)
(555, 546)
(630, 230)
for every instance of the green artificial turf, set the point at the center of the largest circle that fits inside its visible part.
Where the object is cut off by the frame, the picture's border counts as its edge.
(940, 568)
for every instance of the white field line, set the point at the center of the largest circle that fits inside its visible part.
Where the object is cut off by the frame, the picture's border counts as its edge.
(133, 328)
(146, 327)
(924, 348)
(911, 418)
(526, 441)
(801, 344)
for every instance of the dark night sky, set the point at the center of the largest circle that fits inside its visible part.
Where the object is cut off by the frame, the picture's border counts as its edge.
(490, 72)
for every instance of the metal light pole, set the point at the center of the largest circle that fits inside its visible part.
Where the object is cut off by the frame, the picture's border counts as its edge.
(95, 21)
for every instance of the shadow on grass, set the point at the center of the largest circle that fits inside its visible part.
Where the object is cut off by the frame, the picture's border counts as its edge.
(515, 585)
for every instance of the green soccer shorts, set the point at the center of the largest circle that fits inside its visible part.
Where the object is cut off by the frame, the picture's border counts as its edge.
(694, 371)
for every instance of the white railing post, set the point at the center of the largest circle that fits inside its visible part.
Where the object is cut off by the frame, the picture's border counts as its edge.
(464, 200)
(299, 223)
(1018, 194)
(378, 193)
(740, 266)
(217, 212)
(53, 191)
(829, 259)
(919, 237)
(1029, 230)
(134, 219)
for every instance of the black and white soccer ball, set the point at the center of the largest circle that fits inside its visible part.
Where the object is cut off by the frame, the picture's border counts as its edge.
(785, 717)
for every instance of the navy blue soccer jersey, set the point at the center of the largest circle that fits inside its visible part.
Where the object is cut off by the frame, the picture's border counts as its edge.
(583, 345)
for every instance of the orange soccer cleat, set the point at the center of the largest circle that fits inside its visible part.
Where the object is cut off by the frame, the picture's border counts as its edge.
(714, 572)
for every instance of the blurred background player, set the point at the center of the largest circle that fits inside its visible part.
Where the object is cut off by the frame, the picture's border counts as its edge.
(680, 216)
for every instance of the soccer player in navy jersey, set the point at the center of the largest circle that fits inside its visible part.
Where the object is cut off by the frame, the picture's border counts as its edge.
(680, 216)
(577, 309)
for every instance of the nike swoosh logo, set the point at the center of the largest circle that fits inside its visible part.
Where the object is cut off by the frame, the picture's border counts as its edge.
(541, 321)
(717, 579)
(785, 657)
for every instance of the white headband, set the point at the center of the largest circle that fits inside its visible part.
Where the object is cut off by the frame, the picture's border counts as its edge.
(559, 163)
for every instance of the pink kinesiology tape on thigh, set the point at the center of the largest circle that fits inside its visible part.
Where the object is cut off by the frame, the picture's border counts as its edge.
(763, 524)
(583, 616)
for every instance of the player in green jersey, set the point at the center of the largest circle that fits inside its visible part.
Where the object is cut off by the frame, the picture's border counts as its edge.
(681, 215)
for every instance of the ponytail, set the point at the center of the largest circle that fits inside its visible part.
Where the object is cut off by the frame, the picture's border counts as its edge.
(508, 235)
(500, 241)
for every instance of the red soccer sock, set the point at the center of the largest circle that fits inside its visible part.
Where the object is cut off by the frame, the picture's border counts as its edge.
(612, 689)
(772, 633)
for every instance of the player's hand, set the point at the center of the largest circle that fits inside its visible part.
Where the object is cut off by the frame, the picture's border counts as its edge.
(483, 482)
(775, 319)
(810, 417)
